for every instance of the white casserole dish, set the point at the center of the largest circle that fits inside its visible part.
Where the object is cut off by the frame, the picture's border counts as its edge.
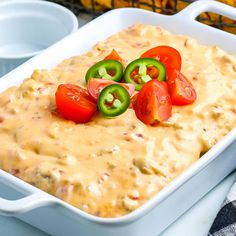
(59, 218)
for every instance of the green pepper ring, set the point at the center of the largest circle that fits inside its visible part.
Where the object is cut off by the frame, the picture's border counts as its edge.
(121, 94)
(144, 61)
(93, 71)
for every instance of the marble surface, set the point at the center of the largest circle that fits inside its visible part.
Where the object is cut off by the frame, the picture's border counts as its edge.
(195, 222)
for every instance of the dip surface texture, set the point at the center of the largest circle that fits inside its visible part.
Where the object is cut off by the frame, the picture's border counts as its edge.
(110, 167)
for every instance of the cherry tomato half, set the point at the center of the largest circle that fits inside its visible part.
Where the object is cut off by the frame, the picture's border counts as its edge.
(133, 101)
(180, 88)
(153, 104)
(115, 56)
(74, 103)
(167, 55)
(95, 86)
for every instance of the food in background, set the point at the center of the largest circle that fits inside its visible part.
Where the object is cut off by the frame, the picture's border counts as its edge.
(210, 18)
(107, 4)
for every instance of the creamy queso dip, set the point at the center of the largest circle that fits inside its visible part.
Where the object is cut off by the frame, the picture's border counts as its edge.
(109, 167)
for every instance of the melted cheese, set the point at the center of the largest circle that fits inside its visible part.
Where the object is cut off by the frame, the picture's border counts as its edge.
(109, 167)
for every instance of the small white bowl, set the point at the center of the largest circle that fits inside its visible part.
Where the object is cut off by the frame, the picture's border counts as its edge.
(29, 26)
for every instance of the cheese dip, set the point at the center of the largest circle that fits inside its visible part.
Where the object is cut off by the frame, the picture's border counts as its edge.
(110, 167)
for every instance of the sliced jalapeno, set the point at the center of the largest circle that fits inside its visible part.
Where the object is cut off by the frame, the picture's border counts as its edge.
(106, 69)
(113, 100)
(141, 70)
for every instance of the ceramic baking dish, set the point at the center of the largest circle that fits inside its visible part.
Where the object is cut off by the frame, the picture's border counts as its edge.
(59, 218)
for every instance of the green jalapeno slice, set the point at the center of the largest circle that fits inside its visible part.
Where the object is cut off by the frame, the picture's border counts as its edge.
(113, 100)
(106, 69)
(142, 70)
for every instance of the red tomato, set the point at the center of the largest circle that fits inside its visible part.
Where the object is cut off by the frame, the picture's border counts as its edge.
(153, 103)
(167, 55)
(95, 86)
(74, 103)
(114, 56)
(133, 101)
(180, 88)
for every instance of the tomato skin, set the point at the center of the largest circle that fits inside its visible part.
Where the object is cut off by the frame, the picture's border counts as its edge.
(153, 104)
(95, 86)
(167, 55)
(133, 101)
(74, 103)
(180, 88)
(115, 56)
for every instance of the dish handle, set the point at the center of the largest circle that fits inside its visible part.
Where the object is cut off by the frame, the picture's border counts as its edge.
(198, 7)
(25, 204)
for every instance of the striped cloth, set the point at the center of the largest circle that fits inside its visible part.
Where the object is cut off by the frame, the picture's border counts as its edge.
(225, 221)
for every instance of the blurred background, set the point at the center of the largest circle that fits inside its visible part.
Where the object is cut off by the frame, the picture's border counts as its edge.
(89, 9)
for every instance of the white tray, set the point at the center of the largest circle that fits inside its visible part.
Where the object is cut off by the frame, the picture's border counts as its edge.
(59, 218)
